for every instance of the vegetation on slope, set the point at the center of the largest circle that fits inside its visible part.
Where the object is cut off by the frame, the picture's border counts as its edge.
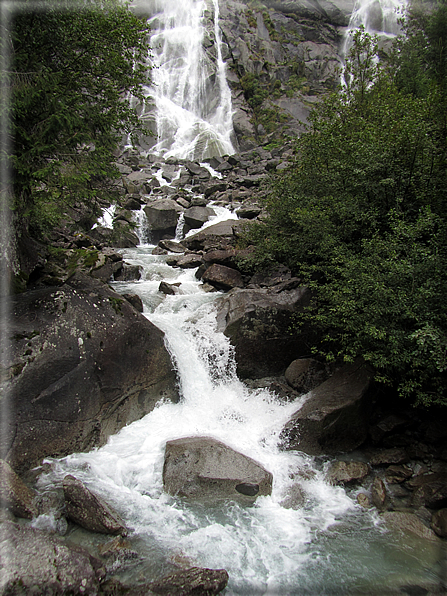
(73, 68)
(361, 214)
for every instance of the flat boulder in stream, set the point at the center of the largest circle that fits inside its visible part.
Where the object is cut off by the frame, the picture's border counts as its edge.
(204, 469)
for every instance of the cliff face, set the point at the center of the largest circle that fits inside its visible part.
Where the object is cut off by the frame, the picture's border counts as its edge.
(281, 55)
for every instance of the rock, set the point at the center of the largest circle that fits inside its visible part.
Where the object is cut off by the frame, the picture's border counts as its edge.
(190, 261)
(346, 472)
(168, 289)
(439, 523)
(363, 500)
(172, 246)
(378, 493)
(388, 456)
(128, 273)
(408, 522)
(258, 322)
(295, 498)
(195, 217)
(34, 562)
(397, 474)
(304, 374)
(135, 301)
(432, 493)
(223, 278)
(84, 363)
(217, 236)
(202, 468)
(88, 510)
(194, 581)
(335, 416)
(14, 494)
(162, 217)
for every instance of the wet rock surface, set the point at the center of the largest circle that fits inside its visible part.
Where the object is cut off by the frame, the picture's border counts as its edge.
(202, 468)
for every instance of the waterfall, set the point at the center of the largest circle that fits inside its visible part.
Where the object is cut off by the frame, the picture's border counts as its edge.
(192, 99)
(379, 17)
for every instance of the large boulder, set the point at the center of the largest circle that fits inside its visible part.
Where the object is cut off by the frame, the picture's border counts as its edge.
(221, 235)
(34, 562)
(83, 364)
(202, 468)
(223, 278)
(335, 416)
(162, 217)
(258, 323)
(196, 216)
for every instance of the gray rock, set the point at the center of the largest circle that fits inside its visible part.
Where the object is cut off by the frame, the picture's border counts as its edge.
(34, 562)
(223, 278)
(90, 511)
(162, 217)
(335, 416)
(202, 468)
(195, 217)
(258, 322)
(388, 456)
(135, 301)
(84, 363)
(346, 472)
(194, 581)
(14, 494)
(172, 246)
(221, 235)
(168, 289)
(304, 374)
(128, 273)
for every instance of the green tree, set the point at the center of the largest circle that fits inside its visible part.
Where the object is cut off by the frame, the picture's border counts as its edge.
(360, 216)
(73, 68)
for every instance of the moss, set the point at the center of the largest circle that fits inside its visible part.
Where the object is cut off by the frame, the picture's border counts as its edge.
(116, 304)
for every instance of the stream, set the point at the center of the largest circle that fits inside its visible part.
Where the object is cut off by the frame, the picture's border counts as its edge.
(329, 545)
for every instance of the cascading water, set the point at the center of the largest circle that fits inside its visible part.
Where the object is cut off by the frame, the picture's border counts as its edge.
(379, 17)
(192, 98)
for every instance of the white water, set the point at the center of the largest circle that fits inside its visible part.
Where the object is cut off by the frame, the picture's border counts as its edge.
(192, 97)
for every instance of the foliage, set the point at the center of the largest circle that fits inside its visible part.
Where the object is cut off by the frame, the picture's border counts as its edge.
(73, 69)
(360, 216)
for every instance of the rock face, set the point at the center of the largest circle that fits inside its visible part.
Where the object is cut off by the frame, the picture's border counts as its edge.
(33, 562)
(90, 511)
(83, 364)
(335, 417)
(257, 321)
(202, 468)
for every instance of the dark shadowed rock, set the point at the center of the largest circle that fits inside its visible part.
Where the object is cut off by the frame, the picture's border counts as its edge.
(335, 416)
(258, 323)
(90, 511)
(439, 523)
(135, 301)
(346, 472)
(168, 289)
(34, 562)
(84, 363)
(195, 581)
(202, 468)
(14, 494)
(128, 273)
(304, 374)
(223, 278)
(162, 217)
